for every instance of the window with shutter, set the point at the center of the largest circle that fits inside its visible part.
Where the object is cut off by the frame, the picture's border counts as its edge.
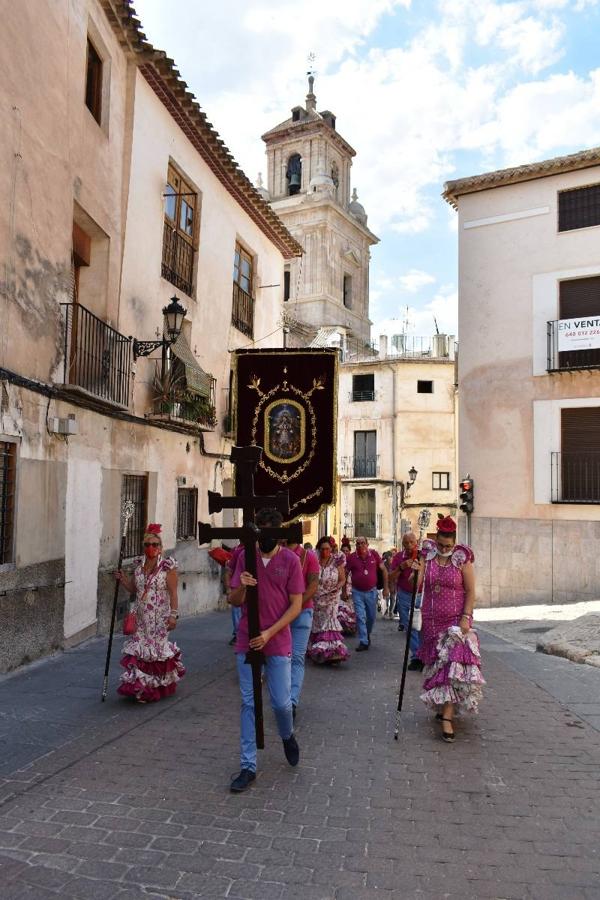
(580, 455)
(579, 297)
(365, 454)
(363, 387)
(579, 208)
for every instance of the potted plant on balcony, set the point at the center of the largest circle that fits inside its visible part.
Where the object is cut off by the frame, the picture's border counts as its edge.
(166, 386)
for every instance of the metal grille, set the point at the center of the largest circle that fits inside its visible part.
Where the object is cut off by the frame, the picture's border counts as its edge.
(135, 488)
(187, 511)
(177, 260)
(97, 358)
(575, 477)
(579, 208)
(8, 460)
(242, 312)
(560, 361)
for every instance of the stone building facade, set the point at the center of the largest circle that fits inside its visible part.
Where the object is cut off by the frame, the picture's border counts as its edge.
(308, 186)
(118, 196)
(529, 376)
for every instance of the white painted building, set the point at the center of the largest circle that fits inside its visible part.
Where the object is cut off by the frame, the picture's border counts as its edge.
(121, 196)
(529, 376)
(396, 414)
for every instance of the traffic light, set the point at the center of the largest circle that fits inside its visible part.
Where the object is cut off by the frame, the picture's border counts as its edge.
(466, 495)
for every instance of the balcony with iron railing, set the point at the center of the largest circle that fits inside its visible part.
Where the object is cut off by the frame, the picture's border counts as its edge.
(177, 260)
(242, 311)
(369, 526)
(359, 467)
(561, 359)
(575, 477)
(97, 358)
(183, 407)
(361, 396)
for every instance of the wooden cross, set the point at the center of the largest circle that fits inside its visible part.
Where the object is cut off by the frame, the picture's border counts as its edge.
(246, 459)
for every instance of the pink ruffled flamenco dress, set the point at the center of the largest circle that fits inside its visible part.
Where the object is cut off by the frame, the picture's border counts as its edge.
(452, 660)
(151, 661)
(326, 644)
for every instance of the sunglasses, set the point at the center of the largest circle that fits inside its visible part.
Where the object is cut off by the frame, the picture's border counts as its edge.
(151, 544)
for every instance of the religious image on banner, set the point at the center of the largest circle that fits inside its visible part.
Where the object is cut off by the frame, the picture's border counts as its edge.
(286, 403)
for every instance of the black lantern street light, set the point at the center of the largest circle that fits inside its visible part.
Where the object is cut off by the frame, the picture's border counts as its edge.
(173, 315)
(405, 487)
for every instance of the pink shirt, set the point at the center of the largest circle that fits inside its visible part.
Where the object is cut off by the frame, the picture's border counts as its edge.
(281, 577)
(406, 577)
(310, 566)
(235, 553)
(364, 571)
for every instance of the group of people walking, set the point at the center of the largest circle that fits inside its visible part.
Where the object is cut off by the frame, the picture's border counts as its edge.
(307, 601)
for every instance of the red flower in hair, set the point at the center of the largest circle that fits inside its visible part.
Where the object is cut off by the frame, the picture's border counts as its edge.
(446, 525)
(154, 528)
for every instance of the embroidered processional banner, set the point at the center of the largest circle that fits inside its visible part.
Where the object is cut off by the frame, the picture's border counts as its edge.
(286, 403)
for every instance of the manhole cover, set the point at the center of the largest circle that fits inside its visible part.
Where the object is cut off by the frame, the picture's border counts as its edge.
(538, 630)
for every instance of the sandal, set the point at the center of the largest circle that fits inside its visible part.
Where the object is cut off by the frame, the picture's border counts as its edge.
(447, 736)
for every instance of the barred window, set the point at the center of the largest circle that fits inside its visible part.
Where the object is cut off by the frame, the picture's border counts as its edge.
(579, 208)
(187, 511)
(135, 488)
(440, 481)
(8, 467)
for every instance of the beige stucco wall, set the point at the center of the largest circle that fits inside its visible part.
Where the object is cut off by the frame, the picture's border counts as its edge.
(509, 274)
(413, 429)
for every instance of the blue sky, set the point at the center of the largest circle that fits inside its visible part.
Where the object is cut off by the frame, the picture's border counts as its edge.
(425, 90)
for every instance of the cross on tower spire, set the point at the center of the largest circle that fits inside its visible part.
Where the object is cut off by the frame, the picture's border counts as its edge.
(311, 100)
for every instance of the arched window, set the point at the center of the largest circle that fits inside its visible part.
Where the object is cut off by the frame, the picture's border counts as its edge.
(294, 173)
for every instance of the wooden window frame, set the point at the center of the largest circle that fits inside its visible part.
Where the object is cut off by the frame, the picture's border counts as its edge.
(94, 79)
(8, 501)
(440, 486)
(244, 255)
(181, 190)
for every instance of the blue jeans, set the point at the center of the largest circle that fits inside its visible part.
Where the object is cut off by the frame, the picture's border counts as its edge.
(279, 680)
(236, 615)
(300, 629)
(365, 605)
(403, 601)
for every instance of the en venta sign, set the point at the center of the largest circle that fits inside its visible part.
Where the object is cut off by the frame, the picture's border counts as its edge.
(578, 334)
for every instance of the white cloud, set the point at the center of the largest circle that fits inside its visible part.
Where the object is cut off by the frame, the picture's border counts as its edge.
(421, 321)
(414, 280)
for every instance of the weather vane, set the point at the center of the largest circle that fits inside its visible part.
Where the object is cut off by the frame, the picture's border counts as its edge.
(311, 63)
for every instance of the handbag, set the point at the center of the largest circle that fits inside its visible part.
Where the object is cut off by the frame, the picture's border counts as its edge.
(129, 623)
(417, 619)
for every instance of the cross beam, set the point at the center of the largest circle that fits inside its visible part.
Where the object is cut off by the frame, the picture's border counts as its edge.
(246, 459)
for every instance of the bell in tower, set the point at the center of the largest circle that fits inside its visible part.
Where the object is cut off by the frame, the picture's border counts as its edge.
(294, 173)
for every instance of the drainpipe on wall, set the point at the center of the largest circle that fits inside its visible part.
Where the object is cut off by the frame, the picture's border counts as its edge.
(383, 342)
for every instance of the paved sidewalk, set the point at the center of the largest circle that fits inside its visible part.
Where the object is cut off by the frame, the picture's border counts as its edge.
(119, 801)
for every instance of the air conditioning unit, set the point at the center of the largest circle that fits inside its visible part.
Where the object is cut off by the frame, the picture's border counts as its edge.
(63, 426)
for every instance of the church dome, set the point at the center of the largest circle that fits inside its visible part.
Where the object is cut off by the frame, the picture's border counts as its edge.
(357, 209)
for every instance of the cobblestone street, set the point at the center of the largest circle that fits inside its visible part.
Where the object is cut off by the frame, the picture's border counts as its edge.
(120, 801)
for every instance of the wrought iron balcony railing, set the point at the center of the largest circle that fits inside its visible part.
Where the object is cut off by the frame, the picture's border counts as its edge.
(177, 260)
(242, 311)
(184, 407)
(575, 477)
(361, 396)
(97, 358)
(563, 360)
(359, 467)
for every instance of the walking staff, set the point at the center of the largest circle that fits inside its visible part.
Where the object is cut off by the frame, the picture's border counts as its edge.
(127, 512)
(407, 645)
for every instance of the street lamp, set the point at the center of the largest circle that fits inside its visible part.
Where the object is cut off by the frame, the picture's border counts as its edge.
(173, 316)
(405, 487)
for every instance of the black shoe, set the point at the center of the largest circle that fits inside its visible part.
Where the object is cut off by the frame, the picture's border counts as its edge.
(400, 627)
(242, 782)
(293, 712)
(362, 647)
(415, 665)
(232, 641)
(291, 750)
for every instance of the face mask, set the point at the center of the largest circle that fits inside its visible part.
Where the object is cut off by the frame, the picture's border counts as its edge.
(445, 555)
(267, 544)
(362, 550)
(151, 552)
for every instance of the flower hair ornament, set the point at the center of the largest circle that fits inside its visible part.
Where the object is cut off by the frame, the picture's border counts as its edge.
(154, 528)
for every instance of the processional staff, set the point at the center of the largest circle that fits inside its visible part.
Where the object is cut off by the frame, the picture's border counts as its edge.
(246, 460)
(126, 512)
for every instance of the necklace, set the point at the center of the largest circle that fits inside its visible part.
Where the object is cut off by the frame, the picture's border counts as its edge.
(437, 584)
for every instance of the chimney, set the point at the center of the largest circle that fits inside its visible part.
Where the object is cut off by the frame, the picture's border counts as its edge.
(383, 345)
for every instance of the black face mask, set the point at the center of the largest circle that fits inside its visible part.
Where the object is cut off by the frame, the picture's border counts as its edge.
(267, 544)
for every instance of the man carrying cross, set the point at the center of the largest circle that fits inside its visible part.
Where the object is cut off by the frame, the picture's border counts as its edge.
(280, 585)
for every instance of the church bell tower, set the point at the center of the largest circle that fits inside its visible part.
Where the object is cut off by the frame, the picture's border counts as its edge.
(308, 186)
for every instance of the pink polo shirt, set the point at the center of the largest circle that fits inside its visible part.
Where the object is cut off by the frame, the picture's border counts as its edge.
(235, 553)
(279, 578)
(310, 566)
(364, 571)
(406, 576)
